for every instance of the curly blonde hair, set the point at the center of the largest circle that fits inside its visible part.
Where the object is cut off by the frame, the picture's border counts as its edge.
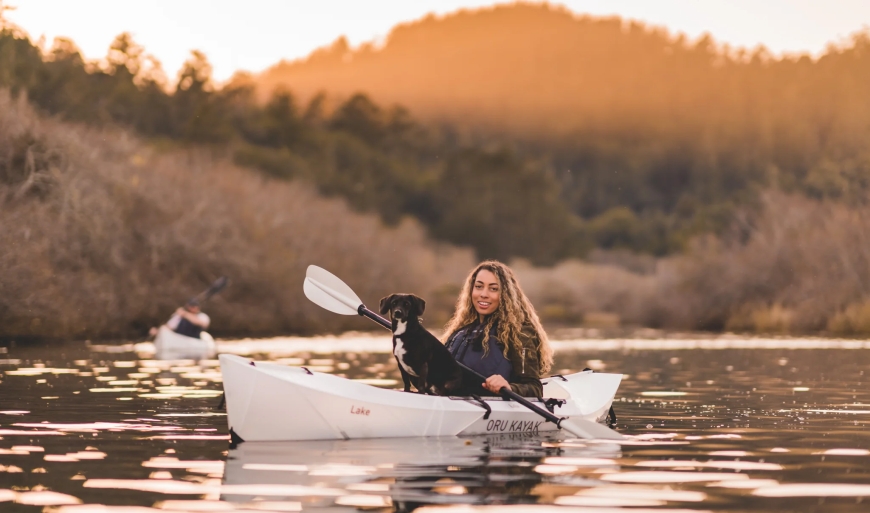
(514, 311)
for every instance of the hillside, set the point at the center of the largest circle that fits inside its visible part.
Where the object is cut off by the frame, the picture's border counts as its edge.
(533, 67)
(649, 137)
(747, 178)
(104, 235)
(568, 133)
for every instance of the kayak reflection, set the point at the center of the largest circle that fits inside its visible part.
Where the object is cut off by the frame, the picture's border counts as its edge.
(405, 473)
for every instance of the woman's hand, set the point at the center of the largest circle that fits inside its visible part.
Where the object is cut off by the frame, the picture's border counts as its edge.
(495, 383)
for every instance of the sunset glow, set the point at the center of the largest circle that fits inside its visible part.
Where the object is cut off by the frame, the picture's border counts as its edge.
(257, 34)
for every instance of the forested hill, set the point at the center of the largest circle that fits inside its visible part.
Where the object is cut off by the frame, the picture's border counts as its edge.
(521, 130)
(524, 67)
(650, 137)
(534, 67)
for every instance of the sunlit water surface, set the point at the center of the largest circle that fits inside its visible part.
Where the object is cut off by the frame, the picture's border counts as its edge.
(713, 425)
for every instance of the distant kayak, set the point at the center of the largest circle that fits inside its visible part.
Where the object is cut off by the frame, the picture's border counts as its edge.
(170, 345)
(273, 402)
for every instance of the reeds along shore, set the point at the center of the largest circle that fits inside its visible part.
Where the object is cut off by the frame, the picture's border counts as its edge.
(103, 236)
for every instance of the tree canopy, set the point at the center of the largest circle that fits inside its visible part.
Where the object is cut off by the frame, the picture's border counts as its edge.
(643, 140)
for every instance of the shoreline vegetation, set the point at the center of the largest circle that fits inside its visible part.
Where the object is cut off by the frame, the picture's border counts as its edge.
(105, 234)
(731, 199)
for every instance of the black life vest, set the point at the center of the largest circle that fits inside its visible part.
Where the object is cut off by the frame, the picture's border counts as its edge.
(466, 345)
(188, 329)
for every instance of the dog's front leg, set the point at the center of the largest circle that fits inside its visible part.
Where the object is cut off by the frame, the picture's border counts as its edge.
(406, 378)
(424, 379)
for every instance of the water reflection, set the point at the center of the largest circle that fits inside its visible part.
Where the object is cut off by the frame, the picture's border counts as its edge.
(406, 473)
(714, 425)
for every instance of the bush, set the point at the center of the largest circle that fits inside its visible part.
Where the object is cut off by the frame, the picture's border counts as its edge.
(277, 163)
(853, 321)
(127, 232)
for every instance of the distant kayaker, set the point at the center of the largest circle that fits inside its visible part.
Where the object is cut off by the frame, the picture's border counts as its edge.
(496, 332)
(188, 320)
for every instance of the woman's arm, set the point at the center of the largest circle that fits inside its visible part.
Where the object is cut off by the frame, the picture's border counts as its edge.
(526, 379)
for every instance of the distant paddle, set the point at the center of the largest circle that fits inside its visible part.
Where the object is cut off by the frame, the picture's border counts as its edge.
(218, 285)
(328, 291)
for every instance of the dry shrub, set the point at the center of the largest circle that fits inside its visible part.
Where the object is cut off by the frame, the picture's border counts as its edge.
(853, 321)
(28, 164)
(601, 320)
(126, 233)
(574, 291)
(761, 319)
(794, 264)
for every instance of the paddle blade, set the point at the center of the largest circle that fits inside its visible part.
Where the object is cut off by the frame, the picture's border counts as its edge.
(591, 430)
(216, 287)
(327, 291)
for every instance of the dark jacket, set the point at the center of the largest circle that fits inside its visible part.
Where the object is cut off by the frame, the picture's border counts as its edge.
(525, 369)
(188, 329)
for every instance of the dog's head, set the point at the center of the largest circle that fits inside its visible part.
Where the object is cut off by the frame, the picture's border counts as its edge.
(403, 306)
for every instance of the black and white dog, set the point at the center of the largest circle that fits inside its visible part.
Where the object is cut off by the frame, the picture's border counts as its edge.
(423, 359)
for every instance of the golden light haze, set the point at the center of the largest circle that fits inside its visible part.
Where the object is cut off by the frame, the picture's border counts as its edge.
(258, 33)
(661, 181)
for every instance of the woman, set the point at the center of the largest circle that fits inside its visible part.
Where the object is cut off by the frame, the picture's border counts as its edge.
(495, 331)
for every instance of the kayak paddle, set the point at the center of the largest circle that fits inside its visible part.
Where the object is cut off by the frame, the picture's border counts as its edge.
(218, 285)
(328, 291)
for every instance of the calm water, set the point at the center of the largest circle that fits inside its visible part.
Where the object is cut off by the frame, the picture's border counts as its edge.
(716, 425)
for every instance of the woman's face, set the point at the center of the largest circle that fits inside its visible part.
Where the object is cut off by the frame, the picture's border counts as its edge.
(485, 293)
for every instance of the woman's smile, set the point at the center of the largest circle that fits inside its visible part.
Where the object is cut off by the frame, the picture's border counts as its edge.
(486, 293)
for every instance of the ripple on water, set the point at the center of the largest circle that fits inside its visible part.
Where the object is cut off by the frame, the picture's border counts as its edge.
(539, 508)
(211, 505)
(745, 483)
(671, 477)
(730, 465)
(844, 452)
(193, 466)
(45, 498)
(101, 508)
(30, 432)
(814, 490)
(629, 496)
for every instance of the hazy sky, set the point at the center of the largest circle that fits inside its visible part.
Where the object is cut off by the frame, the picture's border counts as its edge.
(254, 34)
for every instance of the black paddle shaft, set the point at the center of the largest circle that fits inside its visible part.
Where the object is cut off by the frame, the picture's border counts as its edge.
(215, 287)
(504, 392)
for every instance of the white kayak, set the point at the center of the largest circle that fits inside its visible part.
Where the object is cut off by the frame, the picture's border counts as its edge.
(169, 345)
(273, 402)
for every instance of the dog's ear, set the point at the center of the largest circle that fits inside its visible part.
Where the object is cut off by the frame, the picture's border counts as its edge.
(385, 303)
(419, 304)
